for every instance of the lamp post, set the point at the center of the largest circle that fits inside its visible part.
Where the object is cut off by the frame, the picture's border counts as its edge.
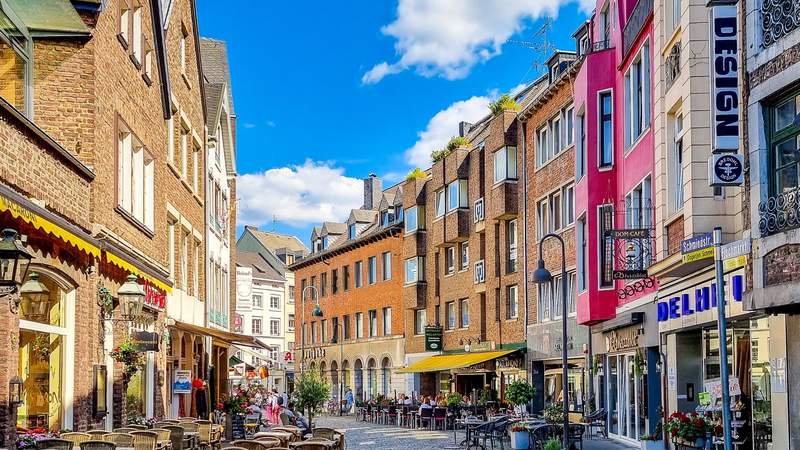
(131, 297)
(541, 275)
(317, 312)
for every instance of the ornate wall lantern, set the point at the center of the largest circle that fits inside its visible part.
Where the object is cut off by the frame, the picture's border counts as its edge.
(35, 298)
(15, 391)
(131, 297)
(14, 262)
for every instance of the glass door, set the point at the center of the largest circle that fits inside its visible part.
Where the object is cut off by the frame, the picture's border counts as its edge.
(625, 395)
(613, 407)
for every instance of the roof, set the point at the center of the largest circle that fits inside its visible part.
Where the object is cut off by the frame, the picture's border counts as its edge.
(260, 266)
(334, 228)
(214, 92)
(363, 215)
(275, 241)
(50, 17)
(214, 53)
(373, 233)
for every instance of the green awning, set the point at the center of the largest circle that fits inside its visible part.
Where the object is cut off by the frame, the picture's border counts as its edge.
(46, 18)
(233, 360)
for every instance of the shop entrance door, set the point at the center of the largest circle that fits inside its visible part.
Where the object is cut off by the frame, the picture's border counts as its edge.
(625, 397)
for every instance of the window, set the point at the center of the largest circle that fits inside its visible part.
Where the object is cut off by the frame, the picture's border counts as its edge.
(606, 217)
(387, 217)
(569, 126)
(605, 24)
(450, 310)
(323, 284)
(256, 360)
(324, 330)
(387, 321)
(196, 269)
(359, 325)
(606, 138)
(637, 96)
(137, 35)
(677, 165)
(134, 177)
(256, 326)
(351, 231)
(464, 255)
(784, 141)
(415, 219)
(275, 327)
(419, 322)
(569, 205)
(291, 295)
(512, 302)
(346, 278)
(550, 298)
(542, 219)
(555, 210)
(346, 326)
(182, 47)
(372, 264)
(415, 269)
(171, 243)
(555, 130)
(673, 14)
(335, 330)
(450, 260)
(457, 195)
(480, 271)
(124, 22)
(511, 238)
(386, 266)
(290, 322)
(638, 214)
(373, 323)
(314, 333)
(185, 261)
(505, 164)
(542, 146)
(582, 255)
(464, 313)
(580, 153)
(479, 211)
(359, 271)
(258, 301)
(275, 302)
(440, 203)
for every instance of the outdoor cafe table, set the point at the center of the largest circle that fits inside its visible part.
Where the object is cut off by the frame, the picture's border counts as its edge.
(469, 426)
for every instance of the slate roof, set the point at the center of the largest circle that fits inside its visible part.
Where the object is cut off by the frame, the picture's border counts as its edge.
(260, 266)
(274, 241)
(215, 65)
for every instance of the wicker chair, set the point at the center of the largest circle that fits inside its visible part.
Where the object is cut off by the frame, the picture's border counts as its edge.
(283, 436)
(120, 439)
(76, 438)
(205, 437)
(54, 444)
(164, 437)
(254, 445)
(312, 445)
(98, 445)
(125, 430)
(136, 426)
(145, 440)
(297, 433)
(176, 436)
(97, 433)
(329, 434)
(271, 441)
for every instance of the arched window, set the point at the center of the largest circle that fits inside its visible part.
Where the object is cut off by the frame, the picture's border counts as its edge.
(335, 380)
(386, 377)
(372, 378)
(359, 379)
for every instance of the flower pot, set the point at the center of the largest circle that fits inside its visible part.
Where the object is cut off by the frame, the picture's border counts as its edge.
(520, 440)
(652, 445)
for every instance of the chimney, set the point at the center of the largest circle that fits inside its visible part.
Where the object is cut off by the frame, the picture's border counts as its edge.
(372, 191)
(463, 128)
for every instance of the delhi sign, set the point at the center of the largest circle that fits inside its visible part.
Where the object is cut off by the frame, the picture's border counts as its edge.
(702, 298)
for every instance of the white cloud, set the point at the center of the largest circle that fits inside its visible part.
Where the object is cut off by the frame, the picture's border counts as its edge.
(448, 38)
(271, 124)
(249, 125)
(443, 126)
(298, 195)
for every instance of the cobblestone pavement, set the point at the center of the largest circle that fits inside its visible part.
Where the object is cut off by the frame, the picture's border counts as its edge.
(366, 435)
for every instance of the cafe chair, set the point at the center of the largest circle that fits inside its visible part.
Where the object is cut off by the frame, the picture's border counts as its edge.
(54, 444)
(312, 444)
(119, 439)
(97, 433)
(296, 433)
(98, 445)
(426, 415)
(124, 430)
(205, 436)
(176, 437)
(254, 445)
(439, 417)
(145, 440)
(275, 441)
(76, 438)
(136, 426)
(164, 438)
(329, 434)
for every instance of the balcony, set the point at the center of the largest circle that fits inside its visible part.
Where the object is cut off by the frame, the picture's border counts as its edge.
(414, 243)
(456, 225)
(504, 201)
(779, 18)
(415, 295)
(779, 213)
(600, 46)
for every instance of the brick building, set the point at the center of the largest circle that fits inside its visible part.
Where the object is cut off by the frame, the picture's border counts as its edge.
(548, 129)
(354, 274)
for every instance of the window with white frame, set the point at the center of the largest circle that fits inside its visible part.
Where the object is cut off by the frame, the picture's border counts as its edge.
(582, 254)
(569, 125)
(136, 50)
(677, 165)
(172, 241)
(314, 333)
(638, 214)
(580, 150)
(195, 166)
(542, 146)
(512, 302)
(185, 261)
(569, 204)
(182, 47)
(125, 14)
(185, 149)
(275, 327)
(358, 268)
(440, 203)
(415, 269)
(464, 305)
(511, 246)
(464, 256)
(673, 14)
(556, 137)
(290, 323)
(372, 270)
(196, 259)
(450, 260)
(351, 231)
(135, 175)
(457, 195)
(605, 215)
(450, 310)
(637, 96)
(359, 325)
(419, 322)
(373, 323)
(256, 326)
(258, 301)
(291, 294)
(275, 302)
(555, 210)
(415, 218)
(478, 212)
(386, 266)
(505, 164)
(387, 321)
(550, 298)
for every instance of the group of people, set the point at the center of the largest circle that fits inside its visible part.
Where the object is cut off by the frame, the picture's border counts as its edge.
(270, 405)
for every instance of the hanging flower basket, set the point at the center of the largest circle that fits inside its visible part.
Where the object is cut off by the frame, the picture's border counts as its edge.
(127, 354)
(41, 347)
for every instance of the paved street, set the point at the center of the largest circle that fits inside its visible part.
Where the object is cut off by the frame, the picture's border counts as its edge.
(366, 435)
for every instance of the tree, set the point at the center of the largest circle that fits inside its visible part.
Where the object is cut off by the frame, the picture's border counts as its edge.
(520, 392)
(312, 391)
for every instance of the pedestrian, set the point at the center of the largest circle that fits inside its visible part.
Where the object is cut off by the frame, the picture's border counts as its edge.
(268, 407)
(348, 396)
(275, 407)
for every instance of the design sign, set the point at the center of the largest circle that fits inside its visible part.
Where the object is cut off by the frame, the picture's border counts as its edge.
(725, 96)
(726, 170)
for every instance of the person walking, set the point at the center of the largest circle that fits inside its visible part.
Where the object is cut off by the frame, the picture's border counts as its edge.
(348, 396)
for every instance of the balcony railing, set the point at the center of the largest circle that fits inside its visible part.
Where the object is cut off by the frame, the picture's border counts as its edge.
(599, 46)
(779, 213)
(778, 19)
(480, 272)
(478, 211)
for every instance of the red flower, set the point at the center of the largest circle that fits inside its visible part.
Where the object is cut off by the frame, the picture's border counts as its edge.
(674, 432)
(718, 430)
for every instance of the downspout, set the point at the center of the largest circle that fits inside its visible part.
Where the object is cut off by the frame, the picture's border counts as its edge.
(525, 227)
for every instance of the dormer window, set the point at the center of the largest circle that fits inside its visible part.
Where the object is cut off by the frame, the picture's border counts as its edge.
(583, 45)
(325, 242)
(387, 217)
(318, 245)
(351, 231)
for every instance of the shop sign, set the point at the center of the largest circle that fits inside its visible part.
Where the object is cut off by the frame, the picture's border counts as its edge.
(183, 382)
(509, 362)
(625, 339)
(288, 357)
(486, 366)
(433, 339)
(145, 341)
(238, 321)
(702, 299)
(714, 387)
(725, 96)
(734, 263)
(726, 170)
(485, 346)
(153, 297)
(697, 248)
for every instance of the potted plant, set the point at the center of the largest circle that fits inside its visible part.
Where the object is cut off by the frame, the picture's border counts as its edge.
(127, 354)
(519, 393)
(312, 391)
(553, 444)
(504, 103)
(690, 429)
(654, 440)
(520, 438)
(554, 413)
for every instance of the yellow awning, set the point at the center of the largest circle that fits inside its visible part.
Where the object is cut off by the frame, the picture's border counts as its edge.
(453, 361)
(37, 221)
(125, 265)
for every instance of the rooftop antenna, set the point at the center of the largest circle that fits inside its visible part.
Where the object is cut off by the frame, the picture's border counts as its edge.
(539, 43)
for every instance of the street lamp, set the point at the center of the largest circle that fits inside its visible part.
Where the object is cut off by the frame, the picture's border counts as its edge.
(35, 298)
(131, 297)
(14, 262)
(316, 312)
(541, 276)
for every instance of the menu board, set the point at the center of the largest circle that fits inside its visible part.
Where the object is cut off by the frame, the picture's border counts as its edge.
(236, 426)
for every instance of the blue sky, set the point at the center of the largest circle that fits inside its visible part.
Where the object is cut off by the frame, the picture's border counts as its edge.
(327, 92)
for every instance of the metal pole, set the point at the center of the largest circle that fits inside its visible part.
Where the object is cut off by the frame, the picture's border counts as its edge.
(303, 325)
(564, 382)
(723, 340)
(590, 366)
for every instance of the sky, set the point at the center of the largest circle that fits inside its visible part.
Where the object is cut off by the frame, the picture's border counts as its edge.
(326, 93)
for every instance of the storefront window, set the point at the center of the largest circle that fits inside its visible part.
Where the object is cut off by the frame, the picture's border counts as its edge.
(627, 396)
(761, 383)
(135, 395)
(553, 385)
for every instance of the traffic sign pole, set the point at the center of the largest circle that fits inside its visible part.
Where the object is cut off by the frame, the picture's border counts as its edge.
(723, 340)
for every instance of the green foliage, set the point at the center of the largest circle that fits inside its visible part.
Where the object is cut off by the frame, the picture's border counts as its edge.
(456, 142)
(520, 392)
(504, 103)
(554, 413)
(312, 390)
(235, 404)
(453, 399)
(553, 444)
(416, 174)
(437, 155)
(127, 354)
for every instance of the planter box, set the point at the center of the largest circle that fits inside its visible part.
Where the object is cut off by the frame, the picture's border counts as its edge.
(520, 440)
(652, 445)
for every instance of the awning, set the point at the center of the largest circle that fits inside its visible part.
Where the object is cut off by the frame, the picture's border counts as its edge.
(453, 361)
(50, 18)
(226, 336)
(21, 208)
(125, 265)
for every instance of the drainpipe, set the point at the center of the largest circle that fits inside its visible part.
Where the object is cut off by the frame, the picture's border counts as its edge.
(525, 229)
